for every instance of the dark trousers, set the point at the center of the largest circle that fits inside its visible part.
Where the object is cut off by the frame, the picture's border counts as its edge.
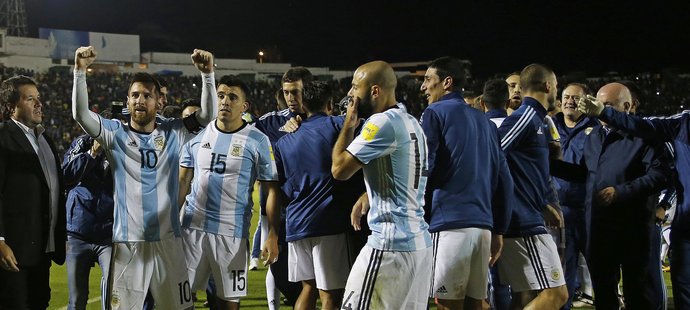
(680, 269)
(621, 245)
(27, 289)
(575, 241)
(501, 292)
(658, 286)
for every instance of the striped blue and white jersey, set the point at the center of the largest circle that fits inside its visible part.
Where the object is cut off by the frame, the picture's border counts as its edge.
(145, 170)
(393, 149)
(226, 165)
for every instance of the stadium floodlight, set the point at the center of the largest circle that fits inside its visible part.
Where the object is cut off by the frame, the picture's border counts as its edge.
(13, 17)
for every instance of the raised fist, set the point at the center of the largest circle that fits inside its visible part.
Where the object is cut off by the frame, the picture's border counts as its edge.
(203, 60)
(84, 57)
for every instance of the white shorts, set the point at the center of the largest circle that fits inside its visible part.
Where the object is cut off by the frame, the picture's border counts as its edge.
(461, 263)
(138, 267)
(323, 258)
(389, 280)
(224, 257)
(264, 230)
(530, 263)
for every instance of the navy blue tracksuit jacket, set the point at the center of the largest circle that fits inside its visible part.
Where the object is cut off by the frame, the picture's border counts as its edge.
(469, 181)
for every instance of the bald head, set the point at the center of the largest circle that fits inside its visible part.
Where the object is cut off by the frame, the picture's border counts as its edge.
(377, 73)
(615, 95)
(374, 84)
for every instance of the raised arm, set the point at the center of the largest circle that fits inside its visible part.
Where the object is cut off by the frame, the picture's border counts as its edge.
(89, 121)
(203, 61)
(344, 164)
(661, 129)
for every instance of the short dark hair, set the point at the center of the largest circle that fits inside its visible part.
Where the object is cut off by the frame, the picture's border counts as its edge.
(495, 94)
(297, 74)
(231, 80)
(450, 67)
(533, 77)
(172, 111)
(162, 82)
(146, 79)
(191, 102)
(582, 86)
(512, 73)
(9, 93)
(316, 95)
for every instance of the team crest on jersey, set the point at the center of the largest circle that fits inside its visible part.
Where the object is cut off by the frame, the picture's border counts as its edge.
(555, 274)
(206, 145)
(588, 130)
(159, 142)
(236, 150)
(369, 131)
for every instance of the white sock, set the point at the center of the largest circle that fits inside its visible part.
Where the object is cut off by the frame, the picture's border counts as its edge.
(272, 292)
(585, 279)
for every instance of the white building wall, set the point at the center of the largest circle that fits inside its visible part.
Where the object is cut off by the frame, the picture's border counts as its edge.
(27, 47)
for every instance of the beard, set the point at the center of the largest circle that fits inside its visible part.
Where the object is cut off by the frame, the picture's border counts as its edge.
(514, 104)
(366, 107)
(143, 119)
(552, 102)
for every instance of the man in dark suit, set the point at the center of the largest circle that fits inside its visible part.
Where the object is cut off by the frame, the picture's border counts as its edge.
(621, 172)
(32, 216)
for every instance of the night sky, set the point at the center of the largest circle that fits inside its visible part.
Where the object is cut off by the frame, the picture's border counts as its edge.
(590, 36)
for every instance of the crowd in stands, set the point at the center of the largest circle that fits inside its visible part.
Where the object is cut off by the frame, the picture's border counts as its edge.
(662, 94)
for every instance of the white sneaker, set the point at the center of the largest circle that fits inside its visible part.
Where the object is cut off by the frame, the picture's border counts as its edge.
(254, 263)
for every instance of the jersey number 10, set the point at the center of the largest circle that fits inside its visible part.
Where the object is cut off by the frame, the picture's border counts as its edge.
(149, 159)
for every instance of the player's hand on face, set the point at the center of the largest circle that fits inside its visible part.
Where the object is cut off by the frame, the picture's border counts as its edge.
(590, 105)
(7, 260)
(553, 218)
(84, 57)
(360, 209)
(292, 124)
(607, 196)
(203, 60)
(270, 251)
(352, 118)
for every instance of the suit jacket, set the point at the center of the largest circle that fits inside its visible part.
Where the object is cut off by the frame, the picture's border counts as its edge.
(635, 168)
(24, 199)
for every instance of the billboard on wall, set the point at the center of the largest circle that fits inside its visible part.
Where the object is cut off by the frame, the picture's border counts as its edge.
(115, 47)
(63, 43)
(109, 46)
